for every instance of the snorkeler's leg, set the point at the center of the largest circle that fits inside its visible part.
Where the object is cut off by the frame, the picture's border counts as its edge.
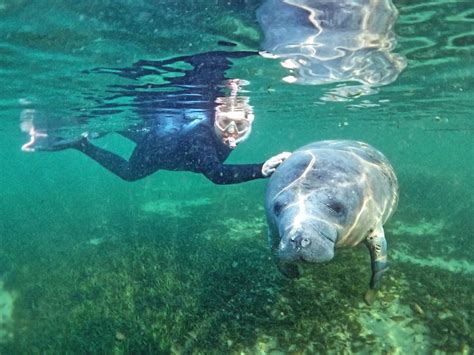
(133, 135)
(128, 170)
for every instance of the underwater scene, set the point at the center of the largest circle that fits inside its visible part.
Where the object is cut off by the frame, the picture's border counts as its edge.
(150, 203)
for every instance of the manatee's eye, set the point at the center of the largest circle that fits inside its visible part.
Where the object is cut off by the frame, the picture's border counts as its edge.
(277, 208)
(336, 207)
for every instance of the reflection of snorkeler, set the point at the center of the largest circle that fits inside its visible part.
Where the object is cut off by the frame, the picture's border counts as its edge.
(179, 139)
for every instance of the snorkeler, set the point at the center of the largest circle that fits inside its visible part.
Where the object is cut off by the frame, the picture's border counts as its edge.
(194, 128)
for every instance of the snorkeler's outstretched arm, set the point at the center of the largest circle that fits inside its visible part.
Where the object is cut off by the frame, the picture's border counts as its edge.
(225, 174)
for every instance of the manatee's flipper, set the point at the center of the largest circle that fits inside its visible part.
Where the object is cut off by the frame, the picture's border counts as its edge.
(369, 296)
(289, 270)
(378, 255)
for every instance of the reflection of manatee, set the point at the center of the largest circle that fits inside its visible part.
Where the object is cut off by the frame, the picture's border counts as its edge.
(325, 41)
(330, 194)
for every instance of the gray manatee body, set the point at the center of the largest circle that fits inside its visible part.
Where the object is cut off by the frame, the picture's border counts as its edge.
(326, 195)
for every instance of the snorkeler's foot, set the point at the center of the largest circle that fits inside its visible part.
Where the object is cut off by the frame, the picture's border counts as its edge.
(53, 144)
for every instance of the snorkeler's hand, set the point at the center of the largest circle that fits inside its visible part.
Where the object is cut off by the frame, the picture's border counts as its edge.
(271, 164)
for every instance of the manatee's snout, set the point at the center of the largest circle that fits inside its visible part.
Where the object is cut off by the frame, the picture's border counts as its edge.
(291, 246)
(300, 241)
(314, 246)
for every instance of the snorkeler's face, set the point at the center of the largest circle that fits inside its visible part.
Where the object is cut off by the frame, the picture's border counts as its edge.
(233, 127)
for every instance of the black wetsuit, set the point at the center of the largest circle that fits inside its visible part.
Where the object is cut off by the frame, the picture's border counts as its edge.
(177, 132)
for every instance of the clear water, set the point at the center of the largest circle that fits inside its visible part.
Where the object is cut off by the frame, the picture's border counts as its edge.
(173, 263)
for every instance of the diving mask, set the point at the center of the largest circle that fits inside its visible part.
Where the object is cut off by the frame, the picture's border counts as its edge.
(233, 126)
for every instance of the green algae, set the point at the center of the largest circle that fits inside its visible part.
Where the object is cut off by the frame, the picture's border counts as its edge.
(208, 288)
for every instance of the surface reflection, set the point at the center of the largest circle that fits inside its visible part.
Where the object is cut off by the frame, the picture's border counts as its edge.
(323, 42)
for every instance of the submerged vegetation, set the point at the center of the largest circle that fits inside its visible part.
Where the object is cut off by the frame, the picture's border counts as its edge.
(195, 283)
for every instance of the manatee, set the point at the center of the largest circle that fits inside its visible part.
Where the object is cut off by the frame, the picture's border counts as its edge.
(326, 195)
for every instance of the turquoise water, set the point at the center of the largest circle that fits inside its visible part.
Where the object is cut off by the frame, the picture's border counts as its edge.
(174, 263)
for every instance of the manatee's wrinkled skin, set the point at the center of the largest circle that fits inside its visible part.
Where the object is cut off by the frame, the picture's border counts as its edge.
(326, 195)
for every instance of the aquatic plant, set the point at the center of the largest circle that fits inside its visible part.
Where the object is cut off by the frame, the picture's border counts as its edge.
(192, 283)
